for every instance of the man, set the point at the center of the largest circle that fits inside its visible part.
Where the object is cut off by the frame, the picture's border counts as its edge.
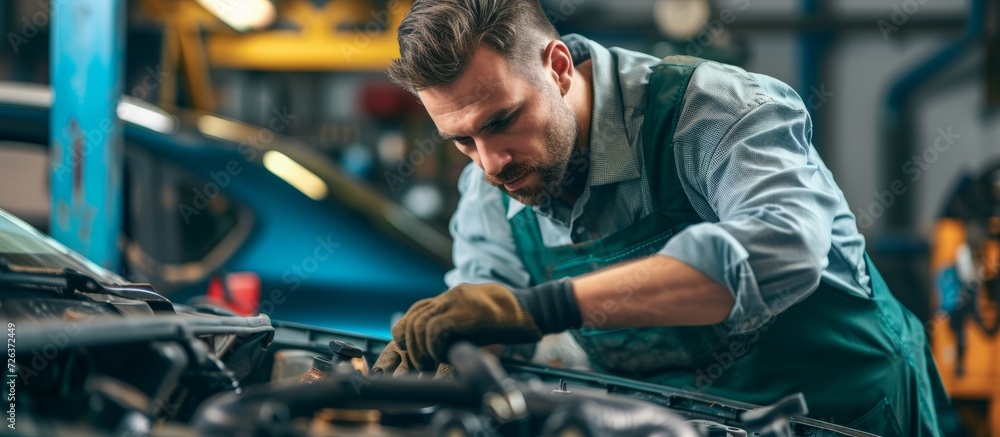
(672, 214)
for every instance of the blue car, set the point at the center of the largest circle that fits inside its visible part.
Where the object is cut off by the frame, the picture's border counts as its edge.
(266, 216)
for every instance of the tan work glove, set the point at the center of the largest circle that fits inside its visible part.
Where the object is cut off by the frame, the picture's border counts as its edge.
(481, 314)
(393, 360)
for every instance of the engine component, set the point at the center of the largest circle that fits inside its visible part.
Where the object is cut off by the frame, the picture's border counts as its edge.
(776, 420)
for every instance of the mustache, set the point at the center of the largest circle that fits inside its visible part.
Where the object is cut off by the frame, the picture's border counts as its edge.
(509, 173)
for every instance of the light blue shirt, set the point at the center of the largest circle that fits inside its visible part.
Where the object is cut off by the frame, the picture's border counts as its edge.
(775, 222)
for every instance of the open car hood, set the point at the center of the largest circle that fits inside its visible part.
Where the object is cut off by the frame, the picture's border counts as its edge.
(89, 353)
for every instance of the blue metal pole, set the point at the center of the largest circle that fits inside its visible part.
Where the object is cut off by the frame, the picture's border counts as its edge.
(812, 51)
(85, 133)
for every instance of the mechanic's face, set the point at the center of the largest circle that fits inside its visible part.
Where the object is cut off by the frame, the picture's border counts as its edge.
(520, 132)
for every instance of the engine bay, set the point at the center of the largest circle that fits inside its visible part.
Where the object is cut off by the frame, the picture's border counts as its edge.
(107, 362)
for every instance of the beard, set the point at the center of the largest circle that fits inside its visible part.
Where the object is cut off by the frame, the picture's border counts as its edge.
(560, 140)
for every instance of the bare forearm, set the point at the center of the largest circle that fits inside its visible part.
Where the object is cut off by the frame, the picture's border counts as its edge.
(653, 291)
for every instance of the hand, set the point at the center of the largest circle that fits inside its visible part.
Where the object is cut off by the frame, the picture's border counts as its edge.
(393, 360)
(481, 314)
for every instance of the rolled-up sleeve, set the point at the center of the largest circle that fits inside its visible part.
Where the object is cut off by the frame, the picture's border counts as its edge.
(775, 209)
(483, 246)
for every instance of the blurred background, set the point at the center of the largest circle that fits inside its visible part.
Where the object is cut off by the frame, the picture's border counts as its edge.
(266, 154)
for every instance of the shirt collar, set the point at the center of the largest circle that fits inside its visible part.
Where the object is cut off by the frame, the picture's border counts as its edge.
(613, 150)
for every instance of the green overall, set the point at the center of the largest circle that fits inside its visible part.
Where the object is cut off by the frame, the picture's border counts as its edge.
(860, 361)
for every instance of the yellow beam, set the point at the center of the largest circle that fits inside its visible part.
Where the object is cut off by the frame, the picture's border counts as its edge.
(291, 52)
(196, 67)
(317, 45)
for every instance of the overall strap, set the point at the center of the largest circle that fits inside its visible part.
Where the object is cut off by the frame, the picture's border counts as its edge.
(667, 85)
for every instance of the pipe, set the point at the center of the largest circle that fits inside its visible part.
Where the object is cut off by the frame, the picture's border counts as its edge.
(258, 411)
(813, 48)
(897, 119)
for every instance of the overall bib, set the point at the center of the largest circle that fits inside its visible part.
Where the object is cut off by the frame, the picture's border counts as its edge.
(860, 361)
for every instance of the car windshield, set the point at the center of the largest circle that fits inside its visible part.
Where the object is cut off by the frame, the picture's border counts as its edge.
(25, 249)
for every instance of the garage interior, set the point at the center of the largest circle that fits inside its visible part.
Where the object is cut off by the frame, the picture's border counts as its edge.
(255, 152)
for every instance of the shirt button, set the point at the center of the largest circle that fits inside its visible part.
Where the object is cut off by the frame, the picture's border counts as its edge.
(580, 230)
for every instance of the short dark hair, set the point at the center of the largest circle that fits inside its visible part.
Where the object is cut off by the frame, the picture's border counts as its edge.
(437, 38)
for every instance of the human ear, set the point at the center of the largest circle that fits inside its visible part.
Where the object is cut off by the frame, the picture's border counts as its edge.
(559, 65)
